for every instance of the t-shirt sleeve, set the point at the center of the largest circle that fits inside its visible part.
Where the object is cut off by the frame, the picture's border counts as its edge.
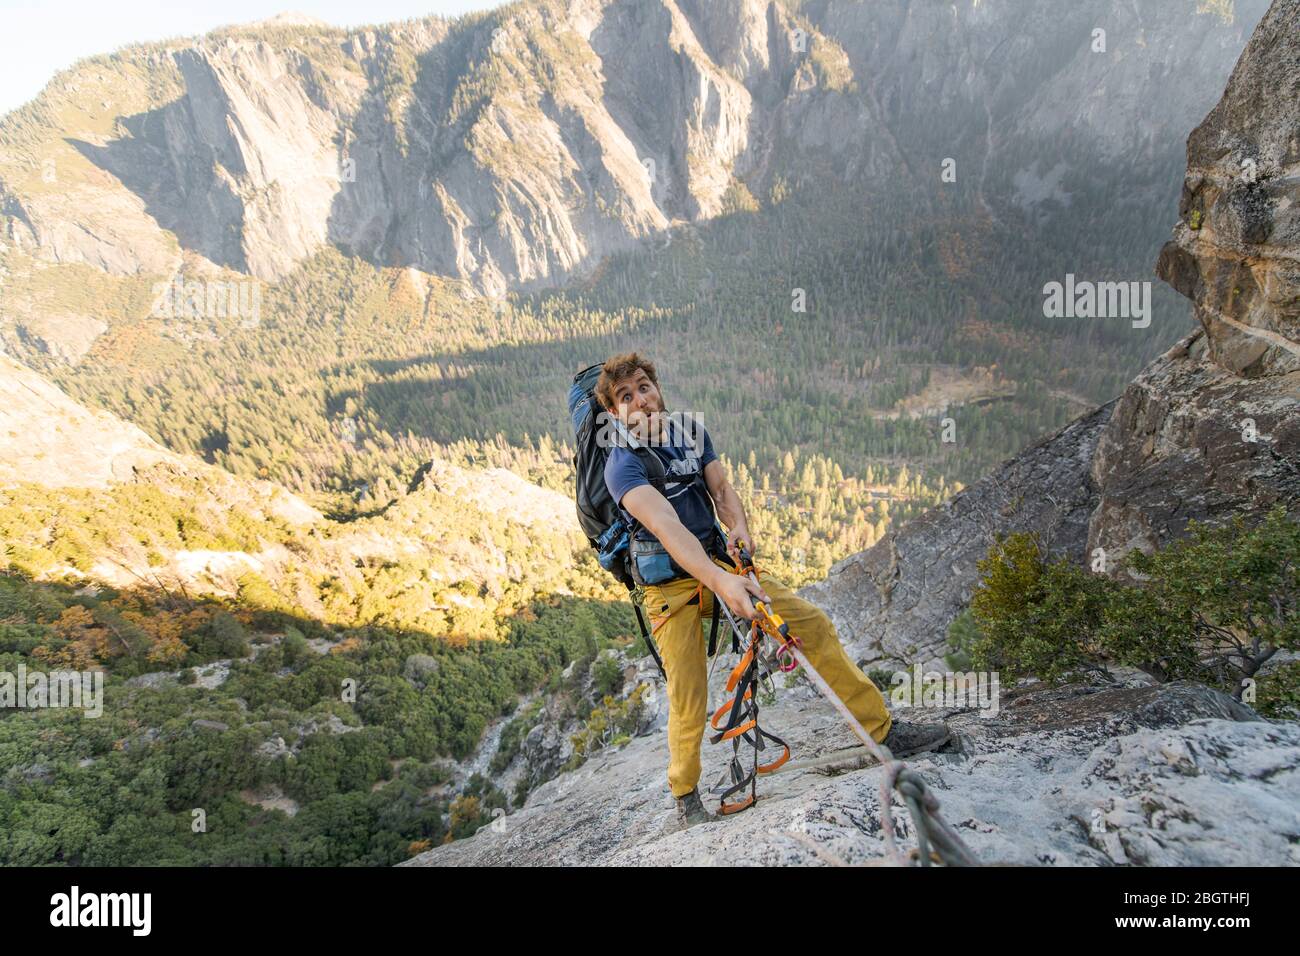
(624, 471)
(707, 454)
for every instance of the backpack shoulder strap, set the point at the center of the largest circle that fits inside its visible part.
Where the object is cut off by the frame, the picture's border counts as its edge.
(646, 635)
(655, 471)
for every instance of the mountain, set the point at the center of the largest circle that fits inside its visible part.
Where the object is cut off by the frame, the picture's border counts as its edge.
(156, 519)
(48, 438)
(1089, 773)
(259, 242)
(519, 148)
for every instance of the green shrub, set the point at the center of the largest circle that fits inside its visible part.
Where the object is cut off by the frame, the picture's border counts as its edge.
(963, 635)
(294, 647)
(606, 676)
(1214, 606)
(1232, 590)
(1036, 617)
(1278, 693)
(606, 723)
(222, 637)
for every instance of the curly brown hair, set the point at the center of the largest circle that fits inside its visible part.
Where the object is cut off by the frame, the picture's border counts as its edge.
(616, 369)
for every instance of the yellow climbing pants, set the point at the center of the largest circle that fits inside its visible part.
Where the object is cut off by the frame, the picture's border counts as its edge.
(679, 610)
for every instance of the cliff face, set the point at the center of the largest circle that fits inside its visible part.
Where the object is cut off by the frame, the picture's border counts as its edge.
(1072, 776)
(502, 150)
(1192, 440)
(1236, 248)
(1209, 430)
(519, 148)
(1213, 428)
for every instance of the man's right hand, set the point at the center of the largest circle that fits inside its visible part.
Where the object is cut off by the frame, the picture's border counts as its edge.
(738, 593)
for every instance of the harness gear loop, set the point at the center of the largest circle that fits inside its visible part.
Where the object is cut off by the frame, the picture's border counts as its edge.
(741, 712)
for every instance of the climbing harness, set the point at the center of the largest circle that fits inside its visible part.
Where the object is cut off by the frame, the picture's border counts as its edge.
(935, 837)
(741, 714)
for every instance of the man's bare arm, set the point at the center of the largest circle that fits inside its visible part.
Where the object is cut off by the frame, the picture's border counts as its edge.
(652, 509)
(730, 511)
(648, 505)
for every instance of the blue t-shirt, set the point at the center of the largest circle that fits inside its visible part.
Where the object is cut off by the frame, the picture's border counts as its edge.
(624, 471)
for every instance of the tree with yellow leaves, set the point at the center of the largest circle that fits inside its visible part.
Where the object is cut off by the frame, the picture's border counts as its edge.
(85, 642)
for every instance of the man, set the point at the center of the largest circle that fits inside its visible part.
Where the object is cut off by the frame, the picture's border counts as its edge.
(681, 519)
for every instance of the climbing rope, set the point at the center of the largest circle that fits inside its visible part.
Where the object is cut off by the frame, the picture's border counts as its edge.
(935, 837)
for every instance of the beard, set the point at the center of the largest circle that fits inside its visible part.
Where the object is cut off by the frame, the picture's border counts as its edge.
(646, 425)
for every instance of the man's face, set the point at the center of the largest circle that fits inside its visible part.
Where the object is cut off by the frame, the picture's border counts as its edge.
(636, 400)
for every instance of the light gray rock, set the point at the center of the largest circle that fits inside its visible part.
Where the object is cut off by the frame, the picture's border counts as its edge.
(1015, 786)
(214, 725)
(544, 752)
(331, 724)
(1211, 793)
(274, 748)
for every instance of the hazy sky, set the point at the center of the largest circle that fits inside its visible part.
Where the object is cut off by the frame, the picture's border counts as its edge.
(40, 37)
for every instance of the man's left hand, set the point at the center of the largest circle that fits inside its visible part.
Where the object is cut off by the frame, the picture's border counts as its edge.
(739, 538)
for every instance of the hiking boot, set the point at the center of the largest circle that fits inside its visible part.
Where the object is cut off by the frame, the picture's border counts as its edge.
(905, 739)
(690, 810)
